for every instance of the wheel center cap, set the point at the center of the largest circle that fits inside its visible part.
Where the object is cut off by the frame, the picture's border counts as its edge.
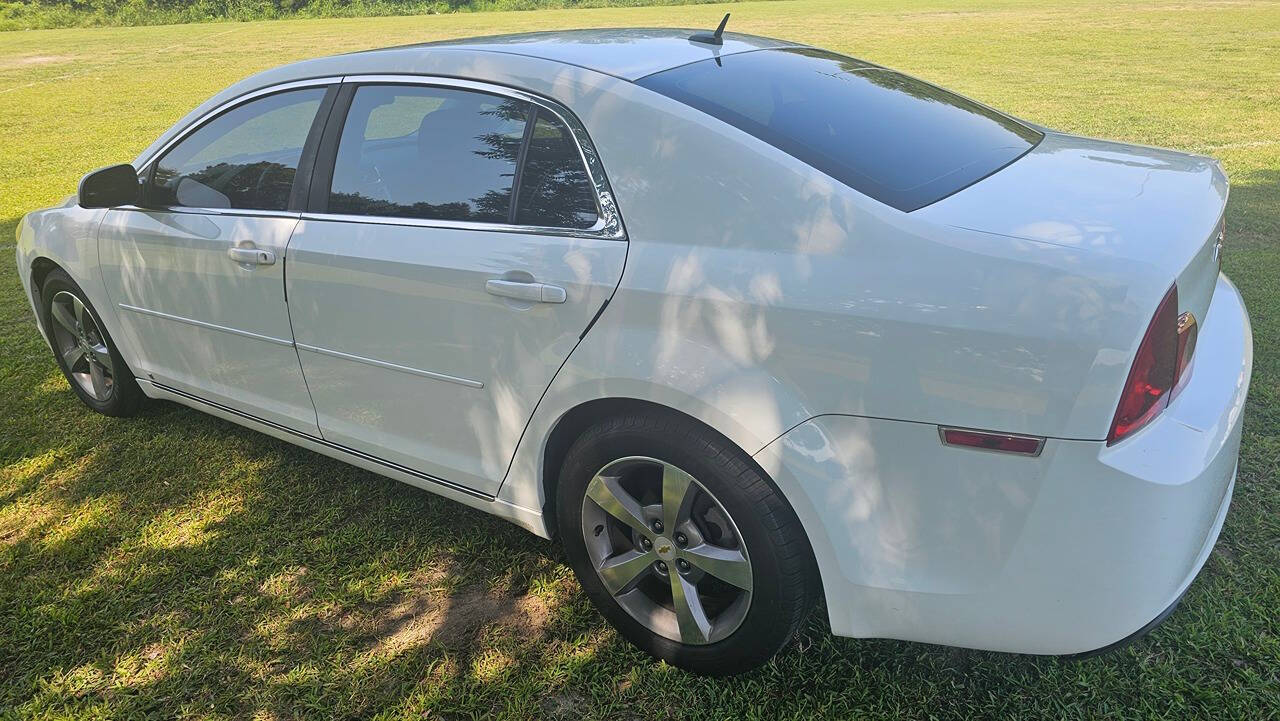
(664, 547)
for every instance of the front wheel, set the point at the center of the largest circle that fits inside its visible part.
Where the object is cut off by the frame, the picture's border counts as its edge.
(84, 351)
(683, 544)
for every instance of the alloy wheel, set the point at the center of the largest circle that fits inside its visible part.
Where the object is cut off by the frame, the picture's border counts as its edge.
(80, 342)
(666, 550)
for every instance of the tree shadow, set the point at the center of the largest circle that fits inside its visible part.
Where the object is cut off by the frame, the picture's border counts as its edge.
(177, 564)
(196, 566)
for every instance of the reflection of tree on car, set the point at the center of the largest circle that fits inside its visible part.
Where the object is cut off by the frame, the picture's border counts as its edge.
(357, 204)
(263, 182)
(554, 189)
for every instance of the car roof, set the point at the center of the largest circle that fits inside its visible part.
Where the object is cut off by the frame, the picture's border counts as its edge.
(627, 53)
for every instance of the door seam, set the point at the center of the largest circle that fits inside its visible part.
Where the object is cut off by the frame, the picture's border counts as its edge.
(626, 254)
(293, 337)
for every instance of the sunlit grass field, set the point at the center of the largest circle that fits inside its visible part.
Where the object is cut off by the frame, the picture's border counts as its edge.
(177, 565)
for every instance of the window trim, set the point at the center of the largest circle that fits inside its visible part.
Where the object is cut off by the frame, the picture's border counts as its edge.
(306, 171)
(147, 166)
(800, 151)
(530, 124)
(608, 223)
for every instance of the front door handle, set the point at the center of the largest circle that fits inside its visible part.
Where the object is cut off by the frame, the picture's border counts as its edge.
(532, 292)
(251, 256)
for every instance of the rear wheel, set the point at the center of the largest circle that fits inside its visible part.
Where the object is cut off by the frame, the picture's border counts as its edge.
(682, 543)
(84, 351)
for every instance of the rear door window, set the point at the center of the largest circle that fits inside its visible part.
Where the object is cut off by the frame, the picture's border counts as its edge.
(416, 151)
(555, 190)
(897, 139)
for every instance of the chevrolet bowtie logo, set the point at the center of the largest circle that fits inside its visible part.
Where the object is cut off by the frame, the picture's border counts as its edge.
(664, 550)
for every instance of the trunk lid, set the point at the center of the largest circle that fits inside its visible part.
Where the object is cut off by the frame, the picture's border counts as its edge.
(1160, 207)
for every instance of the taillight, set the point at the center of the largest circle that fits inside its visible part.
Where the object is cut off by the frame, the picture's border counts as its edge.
(1162, 360)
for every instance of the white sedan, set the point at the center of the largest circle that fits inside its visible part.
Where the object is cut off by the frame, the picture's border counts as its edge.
(743, 323)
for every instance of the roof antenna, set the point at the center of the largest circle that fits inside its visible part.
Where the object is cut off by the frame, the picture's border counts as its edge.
(712, 38)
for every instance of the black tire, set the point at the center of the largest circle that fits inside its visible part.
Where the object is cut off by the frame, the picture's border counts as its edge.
(125, 397)
(784, 574)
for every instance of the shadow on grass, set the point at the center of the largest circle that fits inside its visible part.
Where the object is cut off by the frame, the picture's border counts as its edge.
(158, 569)
(1253, 213)
(192, 566)
(176, 563)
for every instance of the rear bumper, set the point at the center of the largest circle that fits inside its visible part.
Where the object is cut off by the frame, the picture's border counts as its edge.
(1066, 553)
(1151, 625)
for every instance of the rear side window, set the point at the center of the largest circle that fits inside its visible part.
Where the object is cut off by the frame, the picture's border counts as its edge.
(428, 152)
(555, 190)
(896, 139)
(246, 158)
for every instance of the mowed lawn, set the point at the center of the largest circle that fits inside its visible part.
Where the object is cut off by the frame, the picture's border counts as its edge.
(177, 565)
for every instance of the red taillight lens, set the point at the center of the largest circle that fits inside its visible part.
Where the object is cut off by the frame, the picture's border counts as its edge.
(1154, 373)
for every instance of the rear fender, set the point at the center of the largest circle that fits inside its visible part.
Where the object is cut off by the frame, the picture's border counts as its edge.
(625, 361)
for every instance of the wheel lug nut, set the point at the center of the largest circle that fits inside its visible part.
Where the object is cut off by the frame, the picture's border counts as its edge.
(645, 543)
(683, 565)
(682, 540)
(662, 566)
(657, 526)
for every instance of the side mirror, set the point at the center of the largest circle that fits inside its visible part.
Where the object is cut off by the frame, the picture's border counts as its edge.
(109, 187)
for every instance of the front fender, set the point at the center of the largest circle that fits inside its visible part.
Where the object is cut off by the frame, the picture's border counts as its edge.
(67, 236)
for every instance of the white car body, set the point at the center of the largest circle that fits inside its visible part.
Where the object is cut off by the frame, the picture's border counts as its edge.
(824, 333)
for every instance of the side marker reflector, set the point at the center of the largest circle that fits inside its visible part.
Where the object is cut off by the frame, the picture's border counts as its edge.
(989, 441)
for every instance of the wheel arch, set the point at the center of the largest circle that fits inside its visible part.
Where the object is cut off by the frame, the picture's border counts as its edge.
(41, 267)
(579, 418)
(568, 428)
(575, 421)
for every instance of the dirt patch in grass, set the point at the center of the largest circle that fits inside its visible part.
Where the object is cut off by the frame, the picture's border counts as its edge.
(450, 620)
(289, 586)
(33, 60)
(564, 705)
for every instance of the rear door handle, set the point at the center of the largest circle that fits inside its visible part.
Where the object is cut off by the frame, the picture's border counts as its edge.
(252, 256)
(532, 292)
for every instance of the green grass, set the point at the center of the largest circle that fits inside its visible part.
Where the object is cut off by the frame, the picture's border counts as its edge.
(43, 14)
(175, 564)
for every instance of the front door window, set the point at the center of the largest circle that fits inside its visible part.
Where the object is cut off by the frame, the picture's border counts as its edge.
(244, 159)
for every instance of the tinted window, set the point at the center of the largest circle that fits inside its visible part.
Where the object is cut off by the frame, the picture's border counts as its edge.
(245, 158)
(899, 140)
(424, 152)
(555, 190)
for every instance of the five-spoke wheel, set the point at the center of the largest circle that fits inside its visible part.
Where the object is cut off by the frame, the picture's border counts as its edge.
(83, 349)
(682, 543)
(667, 550)
(81, 344)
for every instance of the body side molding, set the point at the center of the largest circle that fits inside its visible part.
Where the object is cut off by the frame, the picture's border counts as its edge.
(320, 441)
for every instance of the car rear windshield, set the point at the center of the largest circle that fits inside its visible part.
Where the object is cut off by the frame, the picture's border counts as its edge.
(899, 140)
